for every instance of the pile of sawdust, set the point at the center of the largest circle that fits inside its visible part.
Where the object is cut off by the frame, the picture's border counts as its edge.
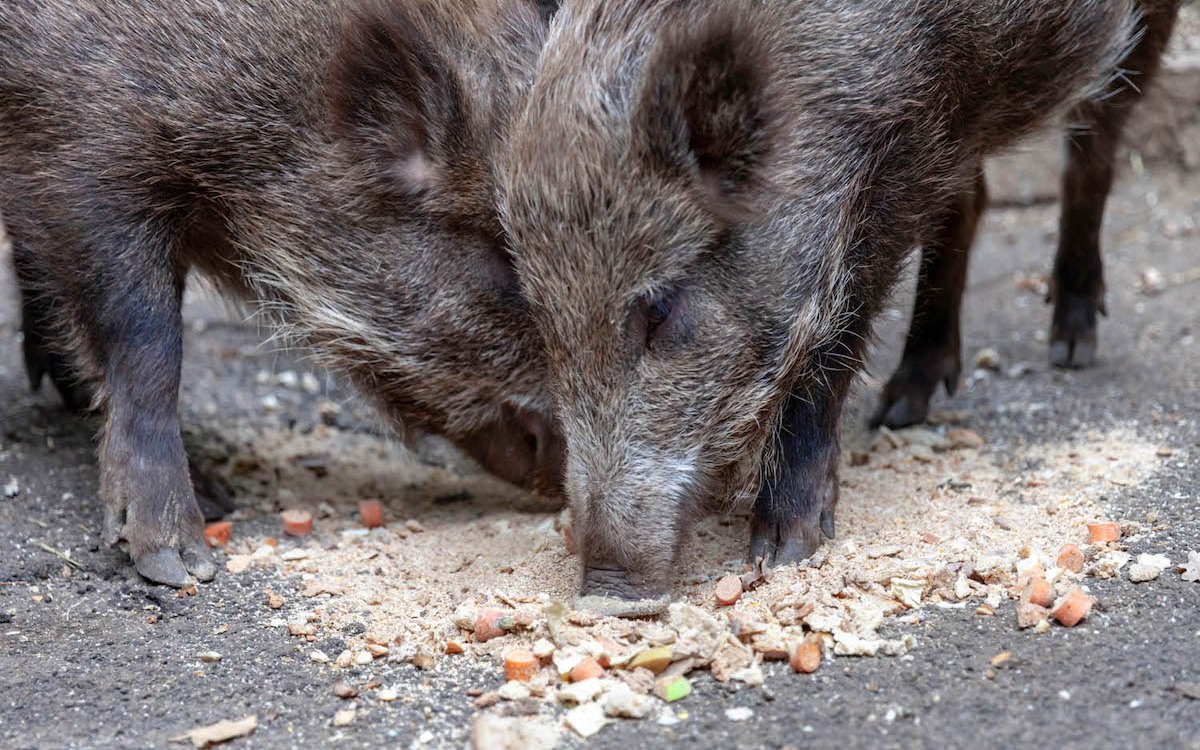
(927, 517)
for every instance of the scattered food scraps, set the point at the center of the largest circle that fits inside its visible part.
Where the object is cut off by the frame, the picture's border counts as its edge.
(296, 522)
(222, 731)
(806, 657)
(1101, 532)
(507, 565)
(217, 534)
(1191, 569)
(370, 513)
(1071, 558)
(1072, 608)
(729, 590)
(520, 664)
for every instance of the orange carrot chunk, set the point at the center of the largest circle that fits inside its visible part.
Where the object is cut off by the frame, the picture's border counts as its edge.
(1071, 558)
(806, 656)
(217, 534)
(370, 513)
(1072, 608)
(729, 590)
(586, 670)
(296, 522)
(1105, 531)
(520, 664)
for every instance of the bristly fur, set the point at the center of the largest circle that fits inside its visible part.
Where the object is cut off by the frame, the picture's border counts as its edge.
(331, 162)
(848, 128)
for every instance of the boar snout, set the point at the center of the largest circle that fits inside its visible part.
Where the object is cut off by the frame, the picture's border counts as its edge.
(523, 447)
(618, 583)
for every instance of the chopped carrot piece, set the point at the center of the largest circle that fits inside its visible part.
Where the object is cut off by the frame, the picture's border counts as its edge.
(217, 534)
(520, 664)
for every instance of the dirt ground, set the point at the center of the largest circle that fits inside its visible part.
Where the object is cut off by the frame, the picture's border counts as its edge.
(95, 657)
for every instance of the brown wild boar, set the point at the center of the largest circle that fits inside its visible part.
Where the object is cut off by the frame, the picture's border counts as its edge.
(708, 204)
(330, 162)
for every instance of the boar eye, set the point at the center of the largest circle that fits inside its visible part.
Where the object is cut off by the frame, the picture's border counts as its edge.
(503, 275)
(658, 313)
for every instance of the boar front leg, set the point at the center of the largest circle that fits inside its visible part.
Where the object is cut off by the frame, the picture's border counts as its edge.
(132, 330)
(799, 494)
(933, 351)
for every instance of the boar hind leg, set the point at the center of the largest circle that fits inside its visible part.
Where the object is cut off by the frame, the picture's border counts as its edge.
(44, 355)
(1077, 284)
(131, 328)
(933, 351)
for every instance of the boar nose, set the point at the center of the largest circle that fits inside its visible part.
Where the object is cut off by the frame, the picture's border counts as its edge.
(523, 447)
(612, 581)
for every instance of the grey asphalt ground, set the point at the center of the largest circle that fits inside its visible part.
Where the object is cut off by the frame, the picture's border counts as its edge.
(101, 659)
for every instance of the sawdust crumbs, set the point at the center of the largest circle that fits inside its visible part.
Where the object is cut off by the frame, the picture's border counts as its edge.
(928, 517)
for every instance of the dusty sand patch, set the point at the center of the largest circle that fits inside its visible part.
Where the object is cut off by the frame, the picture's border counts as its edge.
(931, 519)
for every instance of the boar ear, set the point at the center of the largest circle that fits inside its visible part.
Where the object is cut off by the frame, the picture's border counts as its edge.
(704, 110)
(395, 96)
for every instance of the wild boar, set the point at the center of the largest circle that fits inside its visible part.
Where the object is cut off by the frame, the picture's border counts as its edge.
(709, 203)
(329, 162)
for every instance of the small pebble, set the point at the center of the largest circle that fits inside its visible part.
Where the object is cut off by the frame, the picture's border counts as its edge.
(344, 690)
(209, 656)
(740, 713)
(987, 359)
(344, 718)
(586, 720)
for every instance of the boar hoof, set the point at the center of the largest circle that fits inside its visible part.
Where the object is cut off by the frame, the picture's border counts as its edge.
(788, 543)
(1073, 333)
(177, 568)
(164, 566)
(827, 527)
(902, 412)
(905, 398)
(180, 564)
